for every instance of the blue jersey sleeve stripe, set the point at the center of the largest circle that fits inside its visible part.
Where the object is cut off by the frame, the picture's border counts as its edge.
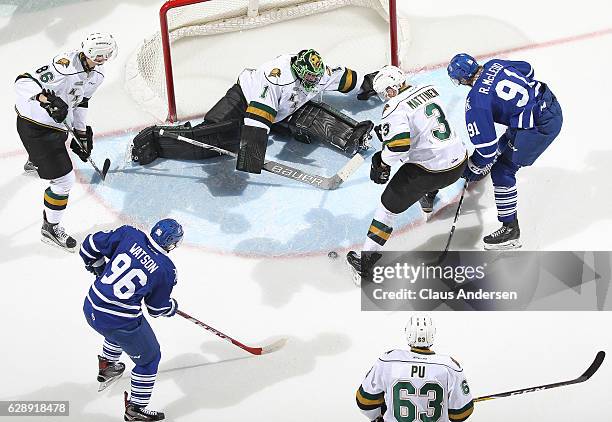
(92, 244)
(158, 309)
(87, 254)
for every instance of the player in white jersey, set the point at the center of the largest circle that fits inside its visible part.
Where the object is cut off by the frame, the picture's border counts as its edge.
(416, 136)
(47, 97)
(417, 384)
(278, 95)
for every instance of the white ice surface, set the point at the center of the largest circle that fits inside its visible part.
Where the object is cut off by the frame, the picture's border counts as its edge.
(48, 351)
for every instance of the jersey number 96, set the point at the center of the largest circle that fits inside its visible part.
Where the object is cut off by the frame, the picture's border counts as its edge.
(124, 284)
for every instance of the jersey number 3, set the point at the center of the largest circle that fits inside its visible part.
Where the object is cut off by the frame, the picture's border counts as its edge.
(443, 130)
(404, 410)
(124, 286)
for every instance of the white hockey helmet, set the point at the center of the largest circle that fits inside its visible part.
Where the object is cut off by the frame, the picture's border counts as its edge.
(99, 47)
(388, 78)
(420, 331)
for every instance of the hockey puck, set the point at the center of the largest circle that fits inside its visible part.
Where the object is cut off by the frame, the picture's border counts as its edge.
(333, 255)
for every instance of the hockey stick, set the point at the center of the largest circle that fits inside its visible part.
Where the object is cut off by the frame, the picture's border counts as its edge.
(327, 183)
(439, 260)
(599, 358)
(106, 164)
(253, 350)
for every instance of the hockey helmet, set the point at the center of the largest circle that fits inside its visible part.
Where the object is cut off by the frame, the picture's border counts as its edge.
(167, 233)
(308, 66)
(99, 47)
(388, 79)
(462, 68)
(420, 331)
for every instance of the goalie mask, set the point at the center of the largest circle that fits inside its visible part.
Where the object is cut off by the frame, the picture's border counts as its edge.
(388, 82)
(99, 47)
(309, 68)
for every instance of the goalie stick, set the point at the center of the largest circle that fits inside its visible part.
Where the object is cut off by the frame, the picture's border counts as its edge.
(253, 350)
(327, 183)
(106, 164)
(599, 358)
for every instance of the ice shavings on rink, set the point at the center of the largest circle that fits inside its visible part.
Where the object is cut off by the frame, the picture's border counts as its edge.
(264, 215)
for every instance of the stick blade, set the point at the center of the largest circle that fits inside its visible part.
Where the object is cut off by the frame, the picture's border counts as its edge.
(105, 168)
(599, 358)
(273, 347)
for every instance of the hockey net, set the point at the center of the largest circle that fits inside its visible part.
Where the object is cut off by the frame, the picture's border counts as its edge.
(150, 75)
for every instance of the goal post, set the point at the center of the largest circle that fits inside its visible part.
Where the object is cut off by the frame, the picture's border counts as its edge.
(150, 75)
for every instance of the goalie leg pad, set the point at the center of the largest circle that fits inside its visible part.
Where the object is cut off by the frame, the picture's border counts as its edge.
(148, 145)
(252, 153)
(321, 122)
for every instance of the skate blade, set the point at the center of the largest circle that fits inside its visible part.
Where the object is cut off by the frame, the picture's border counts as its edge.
(104, 385)
(51, 242)
(354, 275)
(511, 244)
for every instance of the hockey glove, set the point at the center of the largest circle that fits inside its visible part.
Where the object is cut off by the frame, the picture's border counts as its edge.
(378, 132)
(367, 87)
(55, 106)
(473, 173)
(84, 145)
(379, 171)
(96, 267)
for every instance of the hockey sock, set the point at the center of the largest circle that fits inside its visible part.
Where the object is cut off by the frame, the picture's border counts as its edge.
(142, 388)
(380, 229)
(505, 200)
(111, 351)
(56, 197)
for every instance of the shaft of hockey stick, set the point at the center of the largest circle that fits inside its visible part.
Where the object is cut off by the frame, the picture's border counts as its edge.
(106, 164)
(452, 231)
(283, 170)
(253, 350)
(599, 358)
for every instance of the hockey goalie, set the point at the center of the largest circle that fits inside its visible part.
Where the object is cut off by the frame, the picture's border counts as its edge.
(277, 96)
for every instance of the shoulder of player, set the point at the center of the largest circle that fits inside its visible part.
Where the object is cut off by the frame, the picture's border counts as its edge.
(68, 64)
(278, 71)
(404, 356)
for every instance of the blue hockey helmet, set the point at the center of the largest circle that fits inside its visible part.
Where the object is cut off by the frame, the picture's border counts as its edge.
(462, 68)
(167, 233)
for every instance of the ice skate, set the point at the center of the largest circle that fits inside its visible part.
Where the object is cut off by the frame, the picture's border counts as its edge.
(139, 413)
(361, 267)
(55, 235)
(109, 372)
(506, 237)
(30, 168)
(427, 202)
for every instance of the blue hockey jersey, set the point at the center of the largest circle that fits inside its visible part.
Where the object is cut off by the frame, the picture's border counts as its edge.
(504, 93)
(137, 269)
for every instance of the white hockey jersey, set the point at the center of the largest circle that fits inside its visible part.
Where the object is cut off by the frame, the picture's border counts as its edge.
(415, 385)
(273, 92)
(415, 130)
(66, 76)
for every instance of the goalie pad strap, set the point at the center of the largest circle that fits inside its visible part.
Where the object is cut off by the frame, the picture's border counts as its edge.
(252, 152)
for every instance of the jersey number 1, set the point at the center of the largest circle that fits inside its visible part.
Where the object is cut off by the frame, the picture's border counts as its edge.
(124, 286)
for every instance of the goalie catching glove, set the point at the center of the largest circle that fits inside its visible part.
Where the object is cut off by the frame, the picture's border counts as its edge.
(83, 145)
(54, 105)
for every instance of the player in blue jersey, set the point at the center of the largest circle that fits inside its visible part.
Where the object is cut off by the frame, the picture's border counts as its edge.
(505, 92)
(131, 267)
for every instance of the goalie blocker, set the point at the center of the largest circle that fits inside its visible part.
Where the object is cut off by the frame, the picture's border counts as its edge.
(223, 127)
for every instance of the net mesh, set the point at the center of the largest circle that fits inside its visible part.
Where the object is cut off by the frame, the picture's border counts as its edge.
(145, 71)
